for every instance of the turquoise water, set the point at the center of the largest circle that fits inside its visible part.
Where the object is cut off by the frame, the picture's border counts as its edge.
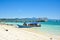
(14, 23)
(51, 27)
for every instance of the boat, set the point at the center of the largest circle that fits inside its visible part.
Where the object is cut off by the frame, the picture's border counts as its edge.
(33, 24)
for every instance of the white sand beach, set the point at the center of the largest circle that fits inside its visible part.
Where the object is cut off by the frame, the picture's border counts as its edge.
(10, 32)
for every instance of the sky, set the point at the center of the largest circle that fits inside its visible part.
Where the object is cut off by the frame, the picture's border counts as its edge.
(30, 8)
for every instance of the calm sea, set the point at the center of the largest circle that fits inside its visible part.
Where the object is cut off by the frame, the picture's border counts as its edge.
(51, 27)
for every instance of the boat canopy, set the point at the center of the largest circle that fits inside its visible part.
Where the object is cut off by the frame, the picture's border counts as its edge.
(34, 23)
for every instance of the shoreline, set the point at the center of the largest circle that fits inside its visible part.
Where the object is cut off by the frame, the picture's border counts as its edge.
(27, 32)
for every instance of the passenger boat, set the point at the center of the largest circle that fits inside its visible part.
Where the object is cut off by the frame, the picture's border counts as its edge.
(33, 24)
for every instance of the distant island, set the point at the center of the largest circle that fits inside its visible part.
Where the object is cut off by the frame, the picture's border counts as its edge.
(23, 19)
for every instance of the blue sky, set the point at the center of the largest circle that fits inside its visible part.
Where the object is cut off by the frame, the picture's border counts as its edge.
(30, 8)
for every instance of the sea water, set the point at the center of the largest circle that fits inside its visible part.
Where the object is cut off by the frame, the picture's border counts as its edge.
(51, 26)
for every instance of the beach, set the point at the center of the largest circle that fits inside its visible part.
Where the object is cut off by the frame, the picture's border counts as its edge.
(10, 32)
